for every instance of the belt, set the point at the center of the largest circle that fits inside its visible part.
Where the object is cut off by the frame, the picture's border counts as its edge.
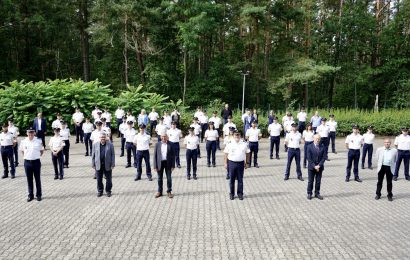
(237, 162)
(5, 146)
(403, 150)
(293, 148)
(354, 149)
(31, 160)
(129, 142)
(253, 142)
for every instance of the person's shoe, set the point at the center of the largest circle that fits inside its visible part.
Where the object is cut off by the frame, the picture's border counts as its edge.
(357, 179)
(394, 178)
(99, 194)
(256, 166)
(29, 199)
(178, 166)
(86, 154)
(231, 196)
(347, 179)
(300, 178)
(213, 165)
(188, 177)
(309, 196)
(320, 197)
(390, 198)
(61, 177)
(286, 178)
(127, 166)
(38, 198)
(169, 194)
(240, 196)
(77, 142)
(4, 176)
(66, 166)
(195, 178)
(335, 152)
(370, 168)
(109, 194)
(208, 165)
(137, 179)
(16, 164)
(407, 178)
(271, 157)
(13, 176)
(150, 178)
(277, 158)
(158, 194)
(95, 177)
(377, 197)
(328, 159)
(363, 167)
(227, 177)
(304, 166)
(122, 155)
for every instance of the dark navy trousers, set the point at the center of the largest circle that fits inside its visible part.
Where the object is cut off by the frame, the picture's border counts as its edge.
(304, 153)
(332, 137)
(88, 143)
(177, 151)
(79, 135)
(131, 149)
(32, 169)
(143, 155)
(325, 142)
(274, 142)
(254, 148)
(7, 155)
(293, 153)
(314, 176)
(210, 149)
(402, 155)
(367, 150)
(66, 152)
(236, 170)
(191, 157)
(58, 162)
(353, 157)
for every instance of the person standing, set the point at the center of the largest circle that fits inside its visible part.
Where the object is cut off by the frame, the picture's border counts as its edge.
(164, 160)
(353, 142)
(160, 128)
(119, 116)
(236, 161)
(15, 131)
(176, 117)
(103, 161)
(198, 112)
(316, 156)
(129, 135)
(78, 118)
(211, 138)
(191, 142)
(153, 119)
(197, 132)
(87, 129)
(57, 123)
(287, 126)
(40, 126)
(142, 118)
(274, 130)
(293, 142)
(315, 121)
(255, 115)
(386, 161)
(301, 119)
(96, 113)
(247, 121)
(332, 124)
(122, 128)
(227, 140)
(228, 124)
(174, 135)
(217, 125)
(56, 145)
(7, 142)
(142, 142)
(107, 115)
(130, 117)
(32, 149)
(271, 117)
(368, 139)
(203, 121)
(323, 130)
(65, 136)
(402, 143)
(307, 136)
(252, 136)
(166, 119)
(225, 113)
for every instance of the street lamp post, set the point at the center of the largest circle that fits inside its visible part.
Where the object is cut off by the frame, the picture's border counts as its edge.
(244, 74)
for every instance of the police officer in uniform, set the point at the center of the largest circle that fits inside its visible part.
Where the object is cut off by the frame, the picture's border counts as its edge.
(56, 145)
(15, 131)
(274, 130)
(402, 143)
(142, 142)
(119, 116)
(88, 128)
(7, 142)
(191, 142)
(78, 118)
(217, 124)
(129, 135)
(301, 119)
(65, 136)
(323, 130)
(32, 148)
(292, 141)
(253, 135)
(122, 128)
(197, 132)
(174, 135)
(368, 140)
(211, 138)
(153, 120)
(353, 142)
(332, 124)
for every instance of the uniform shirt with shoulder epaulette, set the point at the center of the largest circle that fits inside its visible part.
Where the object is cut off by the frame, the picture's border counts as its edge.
(293, 139)
(191, 142)
(354, 141)
(402, 142)
(237, 151)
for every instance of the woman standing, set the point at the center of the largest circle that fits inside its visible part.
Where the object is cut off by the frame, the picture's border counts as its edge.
(211, 137)
(308, 138)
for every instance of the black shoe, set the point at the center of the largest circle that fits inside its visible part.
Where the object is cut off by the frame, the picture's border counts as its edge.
(86, 154)
(213, 165)
(370, 168)
(394, 178)
(188, 177)
(300, 178)
(38, 198)
(4, 176)
(319, 196)
(257, 166)
(347, 179)
(377, 197)
(357, 179)
(407, 178)
(363, 167)
(277, 158)
(178, 166)
(12, 176)
(195, 178)
(304, 166)
(82, 142)
(99, 194)
(95, 177)
(122, 155)
(109, 194)
(61, 177)
(240, 196)
(335, 152)
(328, 159)
(66, 166)
(17, 164)
(137, 179)
(29, 199)
(76, 142)
(127, 166)
(149, 178)
(56, 177)
(199, 156)
(309, 196)
(271, 157)
(286, 178)
(390, 198)
(227, 177)
(231, 196)
(208, 165)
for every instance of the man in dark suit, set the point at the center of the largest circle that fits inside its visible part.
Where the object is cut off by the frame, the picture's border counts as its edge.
(103, 161)
(164, 160)
(40, 126)
(316, 159)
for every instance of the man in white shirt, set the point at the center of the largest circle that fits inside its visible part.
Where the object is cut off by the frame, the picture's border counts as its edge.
(292, 140)
(129, 135)
(167, 119)
(119, 114)
(287, 127)
(236, 160)
(332, 124)
(253, 135)
(122, 128)
(203, 121)
(197, 132)
(217, 125)
(107, 116)
(57, 123)
(56, 145)
(274, 131)
(142, 142)
(323, 130)
(65, 136)
(32, 149)
(227, 125)
(368, 140)
(78, 118)
(96, 113)
(353, 142)
(191, 142)
(15, 131)
(386, 160)
(174, 135)
(153, 119)
(88, 128)
(402, 143)
(7, 142)
(301, 119)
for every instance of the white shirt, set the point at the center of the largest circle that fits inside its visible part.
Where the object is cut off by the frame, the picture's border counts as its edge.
(65, 134)
(293, 139)
(14, 130)
(308, 136)
(39, 123)
(368, 138)
(174, 135)
(211, 135)
(123, 127)
(226, 128)
(302, 116)
(32, 149)
(130, 118)
(253, 134)
(167, 121)
(129, 135)
(94, 113)
(203, 119)
(107, 130)
(6, 139)
(354, 141)
(119, 113)
(198, 114)
(142, 141)
(191, 142)
(236, 151)
(164, 148)
(323, 130)
(274, 129)
(153, 116)
(56, 124)
(228, 139)
(287, 119)
(287, 125)
(95, 135)
(78, 117)
(56, 143)
(332, 125)
(216, 120)
(161, 129)
(88, 128)
(107, 116)
(197, 128)
(387, 157)
(402, 142)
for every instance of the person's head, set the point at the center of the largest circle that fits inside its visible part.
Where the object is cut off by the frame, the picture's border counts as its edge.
(96, 107)
(5, 128)
(288, 114)
(164, 138)
(316, 139)
(248, 111)
(165, 112)
(275, 119)
(316, 113)
(103, 137)
(10, 121)
(63, 124)
(302, 109)
(87, 119)
(99, 113)
(294, 127)
(211, 125)
(214, 114)
(370, 129)
(191, 131)
(153, 109)
(355, 129)
(230, 119)
(129, 112)
(271, 113)
(40, 115)
(253, 124)
(98, 124)
(161, 120)
(59, 116)
(309, 127)
(405, 131)
(195, 120)
(255, 111)
(231, 130)
(77, 109)
(237, 136)
(173, 125)
(31, 133)
(198, 109)
(142, 128)
(106, 109)
(129, 124)
(226, 106)
(143, 111)
(57, 131)
(331, 117)
(387, 143)
(323, 121)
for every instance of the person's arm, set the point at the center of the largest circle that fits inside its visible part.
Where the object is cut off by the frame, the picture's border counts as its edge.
(226, 161)
(347, 142)
(155, 157)
(93, 157)
(112, 156)
(322, 159)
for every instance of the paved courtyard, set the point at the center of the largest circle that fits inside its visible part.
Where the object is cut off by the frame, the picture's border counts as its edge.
(274, 221)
